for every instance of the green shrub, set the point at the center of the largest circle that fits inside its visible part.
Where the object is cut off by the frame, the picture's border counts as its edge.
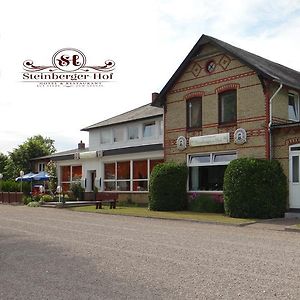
(36, 198)
(33, 204)
(77, 190)
(46, 198)
(27, 199)
(168, 187)
(255, 188)
(14, 186)
(206, 203)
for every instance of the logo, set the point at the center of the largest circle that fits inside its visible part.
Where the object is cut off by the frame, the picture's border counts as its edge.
(68, 69)
(181, 143)
(68, 59)
(240, 136)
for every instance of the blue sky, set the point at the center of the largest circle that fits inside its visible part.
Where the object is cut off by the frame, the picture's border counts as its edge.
(147, 39)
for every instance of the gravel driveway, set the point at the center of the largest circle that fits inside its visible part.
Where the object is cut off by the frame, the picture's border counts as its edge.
(60, 254)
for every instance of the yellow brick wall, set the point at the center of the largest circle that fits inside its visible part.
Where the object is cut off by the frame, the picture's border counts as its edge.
(251, 109)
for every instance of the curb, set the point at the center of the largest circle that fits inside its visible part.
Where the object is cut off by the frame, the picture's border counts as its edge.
(292, 228)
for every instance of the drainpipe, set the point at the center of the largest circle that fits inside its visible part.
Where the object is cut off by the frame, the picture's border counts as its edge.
(270, 118)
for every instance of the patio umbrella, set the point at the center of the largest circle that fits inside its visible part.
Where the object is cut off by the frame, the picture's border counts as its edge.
(26, 177)
(41, 176)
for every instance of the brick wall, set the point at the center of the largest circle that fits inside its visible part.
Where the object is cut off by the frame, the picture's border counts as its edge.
(196, 81)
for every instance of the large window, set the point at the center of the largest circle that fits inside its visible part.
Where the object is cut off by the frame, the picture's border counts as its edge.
(227, 107)
(105, 136)
(129, 175)
(118, 135)
(194, 113)
(133, 132)
(293, 108)
(149, 129)
(68, 175)
(206, 171)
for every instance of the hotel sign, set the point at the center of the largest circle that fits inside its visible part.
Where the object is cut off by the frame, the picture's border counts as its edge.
(68, 69)
(207, 140)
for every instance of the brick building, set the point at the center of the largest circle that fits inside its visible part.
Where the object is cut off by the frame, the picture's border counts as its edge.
(224, 103)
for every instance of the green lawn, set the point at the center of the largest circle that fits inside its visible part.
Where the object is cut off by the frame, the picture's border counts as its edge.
(178, 215)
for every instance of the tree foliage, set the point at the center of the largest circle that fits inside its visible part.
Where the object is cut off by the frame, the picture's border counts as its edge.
(19, 158)
(51, 170)
(3, 163)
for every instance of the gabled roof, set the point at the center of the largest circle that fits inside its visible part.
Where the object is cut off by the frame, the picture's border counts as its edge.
(143, 112)
(61, 154)
(264, 67)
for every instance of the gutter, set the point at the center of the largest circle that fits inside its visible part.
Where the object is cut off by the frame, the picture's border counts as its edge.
(270, 118)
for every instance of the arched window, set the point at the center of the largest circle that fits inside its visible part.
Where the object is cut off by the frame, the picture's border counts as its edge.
(228, 107)
(194, 113)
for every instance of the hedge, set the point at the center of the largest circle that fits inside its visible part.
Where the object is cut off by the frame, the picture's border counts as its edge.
(168, 187)
(255, 188)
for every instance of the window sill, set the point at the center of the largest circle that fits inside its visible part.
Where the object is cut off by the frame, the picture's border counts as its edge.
(224, 125)
(194, 129)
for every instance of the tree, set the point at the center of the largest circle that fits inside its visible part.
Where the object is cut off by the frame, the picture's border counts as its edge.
(3, 162)
(19, 158)
(51, 170)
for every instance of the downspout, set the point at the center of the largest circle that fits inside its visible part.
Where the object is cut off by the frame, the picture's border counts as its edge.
(270, 119)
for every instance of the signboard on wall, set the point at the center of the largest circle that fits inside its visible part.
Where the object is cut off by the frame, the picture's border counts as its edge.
(206, 140)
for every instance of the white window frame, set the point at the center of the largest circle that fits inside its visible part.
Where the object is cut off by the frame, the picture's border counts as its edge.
(296, 98)
(131, 179)
(138, 132)
(121, 129)
(110, 136)
(41, 166)
(211, 163)
(152, 123)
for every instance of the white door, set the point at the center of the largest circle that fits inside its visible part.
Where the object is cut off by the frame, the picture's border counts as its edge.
(294, 180)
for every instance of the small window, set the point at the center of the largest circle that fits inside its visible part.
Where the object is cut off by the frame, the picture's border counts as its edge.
(41, 167)
(105, 136)
(218, 158)
(149, 129)
(118, 135)
(293, 108)
(227, 107)
(199, 159)
(133, 132)
(161, 128)
(194, 113)
(295, 169)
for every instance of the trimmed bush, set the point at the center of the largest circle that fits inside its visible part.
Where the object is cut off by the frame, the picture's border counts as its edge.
(206, 203)
(255, 188)
(14, 186)
(168, 187)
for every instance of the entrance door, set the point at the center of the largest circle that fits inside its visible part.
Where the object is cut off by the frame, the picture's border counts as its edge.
(294, 180)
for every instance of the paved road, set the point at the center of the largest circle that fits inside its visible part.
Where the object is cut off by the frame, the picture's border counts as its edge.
(59, 254)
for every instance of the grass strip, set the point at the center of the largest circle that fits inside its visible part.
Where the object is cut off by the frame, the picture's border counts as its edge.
(177, 215)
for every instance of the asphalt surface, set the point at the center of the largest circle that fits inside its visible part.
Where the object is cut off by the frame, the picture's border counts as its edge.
(59, 254)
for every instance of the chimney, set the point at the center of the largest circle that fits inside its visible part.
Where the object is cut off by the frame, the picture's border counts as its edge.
(81, 146)
(154, 96)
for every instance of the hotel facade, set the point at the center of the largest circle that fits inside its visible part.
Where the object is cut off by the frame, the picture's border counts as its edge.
(222, 103)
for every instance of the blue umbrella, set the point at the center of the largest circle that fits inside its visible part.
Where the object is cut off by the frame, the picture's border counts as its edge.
(26, 177)
(41, 176)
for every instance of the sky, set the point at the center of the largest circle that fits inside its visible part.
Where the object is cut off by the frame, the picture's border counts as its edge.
(147, 40)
